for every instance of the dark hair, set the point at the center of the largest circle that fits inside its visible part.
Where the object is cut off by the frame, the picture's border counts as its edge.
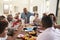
(10, 32)
(44, 14)
(9, 18)
(46, 22)
(51, 14)
(3, 25)
(24, 8)
(2, 17)
(35, 14)
(54, 18)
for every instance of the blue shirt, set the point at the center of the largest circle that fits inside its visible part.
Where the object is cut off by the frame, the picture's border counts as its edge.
(26, 16)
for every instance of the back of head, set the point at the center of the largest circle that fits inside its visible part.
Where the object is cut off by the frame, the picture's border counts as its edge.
(3, 25)
(46, 22)
(2, 17)
(52, 16)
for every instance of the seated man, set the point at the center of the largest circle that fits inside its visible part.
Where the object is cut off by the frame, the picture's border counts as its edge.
(34, 20)
(26, 15)
(48, 34)
(3, 25)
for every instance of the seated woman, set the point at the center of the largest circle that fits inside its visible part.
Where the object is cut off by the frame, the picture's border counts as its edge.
(48, 33)
(16, 16)
(16, 20)
(34, 20)
(16, 24)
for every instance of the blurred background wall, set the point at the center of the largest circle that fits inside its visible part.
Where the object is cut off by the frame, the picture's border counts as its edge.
(14, 6)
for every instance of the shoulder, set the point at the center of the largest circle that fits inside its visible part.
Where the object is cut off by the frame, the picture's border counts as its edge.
(31, 16)
(43, 37)
(30, 13)
(22, 14)
(46, 35)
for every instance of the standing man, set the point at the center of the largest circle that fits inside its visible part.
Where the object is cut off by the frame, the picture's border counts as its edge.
(26, 15)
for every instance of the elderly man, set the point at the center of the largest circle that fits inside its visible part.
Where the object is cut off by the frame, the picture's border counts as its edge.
(26, 15)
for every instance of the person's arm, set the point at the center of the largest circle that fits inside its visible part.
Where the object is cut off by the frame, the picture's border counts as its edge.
(31, 14)
(57, 26)
(31, 19)
(10, 38)
(22, 15)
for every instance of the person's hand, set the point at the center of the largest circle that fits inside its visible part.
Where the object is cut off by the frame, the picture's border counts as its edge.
(57, 26)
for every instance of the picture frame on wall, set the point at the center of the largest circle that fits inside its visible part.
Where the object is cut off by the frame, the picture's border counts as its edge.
(6, 8)
(35, 8)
